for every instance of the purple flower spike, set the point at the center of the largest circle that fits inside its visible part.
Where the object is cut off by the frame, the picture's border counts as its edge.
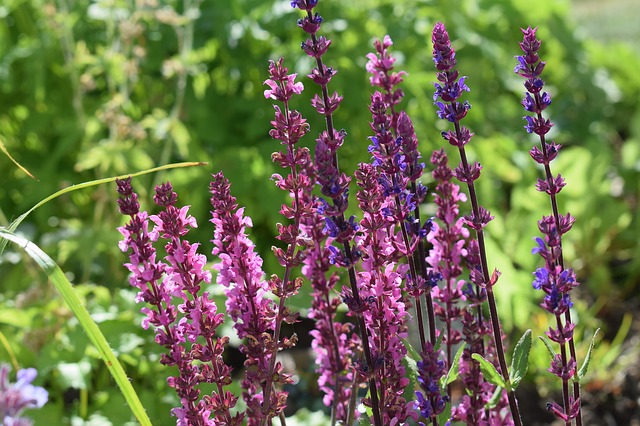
(430, 401)
(253, 313)
(449, 89)
(184, 318)
(282, 86)
(449, 238)
(554, 280)
(385, 314)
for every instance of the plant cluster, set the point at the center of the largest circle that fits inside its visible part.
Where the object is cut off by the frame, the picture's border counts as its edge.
(385, 269)
(107, 87)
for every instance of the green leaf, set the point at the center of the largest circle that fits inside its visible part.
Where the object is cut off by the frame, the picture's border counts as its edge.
(181, 137)
(495, 399)
(489, 372)
(67, 292)
(412, 367)
(200, 84)
(585, 364)
(520, 359)
(438, 344)
(549, 345)
(411, 351)
(452, 374)
(410, 361)
(445, 416)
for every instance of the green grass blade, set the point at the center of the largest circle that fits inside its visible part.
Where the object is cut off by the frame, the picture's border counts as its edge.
(67, 292)
(3, 148)
(14, 225)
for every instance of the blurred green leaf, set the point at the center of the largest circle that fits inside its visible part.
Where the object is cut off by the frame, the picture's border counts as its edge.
(495, 398)
(74, 375)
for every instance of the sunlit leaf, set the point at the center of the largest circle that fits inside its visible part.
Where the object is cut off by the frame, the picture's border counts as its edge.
(489, 372)
(585, 364)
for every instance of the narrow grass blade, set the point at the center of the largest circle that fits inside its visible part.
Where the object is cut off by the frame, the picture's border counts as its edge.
(67, 292)
(18, 165)
(14, 225)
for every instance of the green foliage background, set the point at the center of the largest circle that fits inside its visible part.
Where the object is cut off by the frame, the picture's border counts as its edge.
(100, 88)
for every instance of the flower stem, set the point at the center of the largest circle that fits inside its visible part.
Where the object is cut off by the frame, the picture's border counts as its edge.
(348, 253)
(560, 262)
(491, 300)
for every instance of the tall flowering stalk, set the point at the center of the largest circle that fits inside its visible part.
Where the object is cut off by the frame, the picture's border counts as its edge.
(447, 94)
(184, 320)
(335, 343)
(459, 302)
(253, 313)
(307, 232)
(385, 310)
(394, 149)
(448, 238)
(334, 184)
(472, 409)
(392, 179)
(556, 281)
(289, 127)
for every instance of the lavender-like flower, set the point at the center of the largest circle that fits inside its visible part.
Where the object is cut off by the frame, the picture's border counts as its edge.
(185, 320)
(253, 313)
(447, 99)
(554, 280)
(334, 184)
(336, 345)
(448, 237)
(19, 396)
(430, 401)
(288, 127)
(385, 310)
(394, 149)
(380, 65)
